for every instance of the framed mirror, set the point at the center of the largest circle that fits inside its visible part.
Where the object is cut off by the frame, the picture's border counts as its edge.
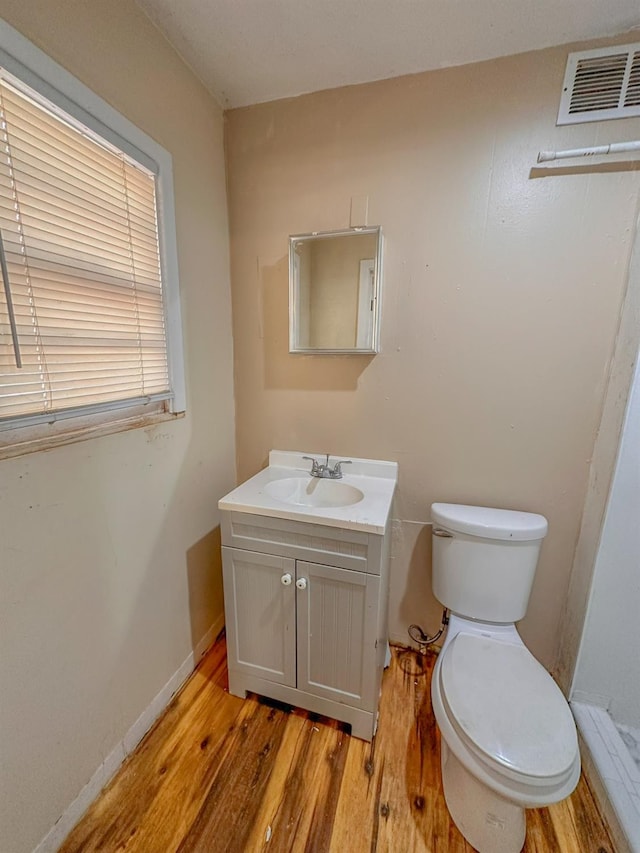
(334, 291)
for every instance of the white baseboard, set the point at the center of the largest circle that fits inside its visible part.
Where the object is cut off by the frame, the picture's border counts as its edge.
(612, 774)
(584, 698)
(109, 767)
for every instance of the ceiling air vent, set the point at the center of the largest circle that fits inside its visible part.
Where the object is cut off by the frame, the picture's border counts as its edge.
(601, 84)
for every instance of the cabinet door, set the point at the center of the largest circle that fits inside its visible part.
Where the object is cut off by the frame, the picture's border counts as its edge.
(260, 609)
(336, 617)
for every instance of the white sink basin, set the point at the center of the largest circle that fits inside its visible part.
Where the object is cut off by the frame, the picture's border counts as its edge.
(361, 500)
(312, 491)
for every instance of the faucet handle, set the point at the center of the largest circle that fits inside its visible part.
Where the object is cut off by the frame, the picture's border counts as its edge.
(337, 468)
(314, 467)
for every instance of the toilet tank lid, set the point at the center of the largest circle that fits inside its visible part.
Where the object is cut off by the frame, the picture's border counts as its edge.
(505, 524)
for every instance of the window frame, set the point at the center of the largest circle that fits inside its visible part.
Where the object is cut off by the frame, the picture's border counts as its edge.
(30, 65)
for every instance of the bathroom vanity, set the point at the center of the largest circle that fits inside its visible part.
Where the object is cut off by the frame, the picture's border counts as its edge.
(305, 566)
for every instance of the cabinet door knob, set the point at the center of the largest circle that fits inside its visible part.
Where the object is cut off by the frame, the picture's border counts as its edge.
(301, 583)
(285, 580)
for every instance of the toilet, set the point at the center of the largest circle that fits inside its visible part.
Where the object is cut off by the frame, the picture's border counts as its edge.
(508, 739)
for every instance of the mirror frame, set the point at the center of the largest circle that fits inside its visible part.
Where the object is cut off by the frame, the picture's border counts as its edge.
(294, 301)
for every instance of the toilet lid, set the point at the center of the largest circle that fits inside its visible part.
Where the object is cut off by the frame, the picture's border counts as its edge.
(508, 706)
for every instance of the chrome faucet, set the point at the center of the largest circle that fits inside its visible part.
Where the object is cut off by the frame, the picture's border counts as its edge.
(324, 470)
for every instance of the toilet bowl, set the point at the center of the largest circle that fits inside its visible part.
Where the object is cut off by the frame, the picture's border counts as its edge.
(508, 739)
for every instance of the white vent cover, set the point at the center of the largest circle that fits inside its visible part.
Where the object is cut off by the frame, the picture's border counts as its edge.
(601, 84)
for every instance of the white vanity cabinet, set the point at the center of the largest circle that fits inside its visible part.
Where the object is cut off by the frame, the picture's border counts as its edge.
(306, 614)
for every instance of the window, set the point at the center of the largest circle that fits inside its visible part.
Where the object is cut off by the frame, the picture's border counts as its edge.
(89, 315)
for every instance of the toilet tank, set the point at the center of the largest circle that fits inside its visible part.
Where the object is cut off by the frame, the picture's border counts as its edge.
(484, 560)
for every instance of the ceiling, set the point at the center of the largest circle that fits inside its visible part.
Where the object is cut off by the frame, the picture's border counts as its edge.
(248, 51)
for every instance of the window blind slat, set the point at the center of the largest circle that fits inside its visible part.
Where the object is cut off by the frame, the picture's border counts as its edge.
(66, 140)
(25, 164)
(80, 376)
(63, 337)
(38, 117)
(98, 355)
(111, 232)
(146, 316)
(77, 167)
(86, 328)
(61, 249)
(125, 372)
(18, 407)
(79, 226)
(48, 319)
(79, 311)
(68, 280)
(35, 186)
(69, 389)
(152, 374)
(43, 261)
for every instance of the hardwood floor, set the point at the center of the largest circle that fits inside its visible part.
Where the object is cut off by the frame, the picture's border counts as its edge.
(218, 773)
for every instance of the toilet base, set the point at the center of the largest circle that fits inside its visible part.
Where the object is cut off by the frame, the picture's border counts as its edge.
(490, 823)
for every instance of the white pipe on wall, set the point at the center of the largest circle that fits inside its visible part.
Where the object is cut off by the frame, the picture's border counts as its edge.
(612, 148)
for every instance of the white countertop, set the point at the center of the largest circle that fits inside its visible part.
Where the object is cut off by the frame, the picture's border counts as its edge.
(374, 478)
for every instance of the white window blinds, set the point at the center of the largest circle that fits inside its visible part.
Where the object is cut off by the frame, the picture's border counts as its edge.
(79, 229)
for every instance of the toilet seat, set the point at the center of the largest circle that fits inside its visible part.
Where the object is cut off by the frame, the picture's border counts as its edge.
(507, 709)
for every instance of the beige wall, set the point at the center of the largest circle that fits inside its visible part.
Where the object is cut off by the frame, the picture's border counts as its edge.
(109, 565)
(502, 290)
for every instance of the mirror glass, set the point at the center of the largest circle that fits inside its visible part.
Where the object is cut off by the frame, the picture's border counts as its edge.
(334, 291)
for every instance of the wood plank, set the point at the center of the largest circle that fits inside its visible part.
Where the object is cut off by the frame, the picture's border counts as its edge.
(239, 781)
(218, 773)
(391, 796)
(359, 799)
(411, 788)
(577, 822)
(299, 807)
(399, 719)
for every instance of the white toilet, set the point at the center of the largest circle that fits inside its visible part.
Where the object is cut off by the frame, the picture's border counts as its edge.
(508, 737)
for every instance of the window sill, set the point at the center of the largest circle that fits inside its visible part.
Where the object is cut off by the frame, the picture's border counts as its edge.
(12, 446)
